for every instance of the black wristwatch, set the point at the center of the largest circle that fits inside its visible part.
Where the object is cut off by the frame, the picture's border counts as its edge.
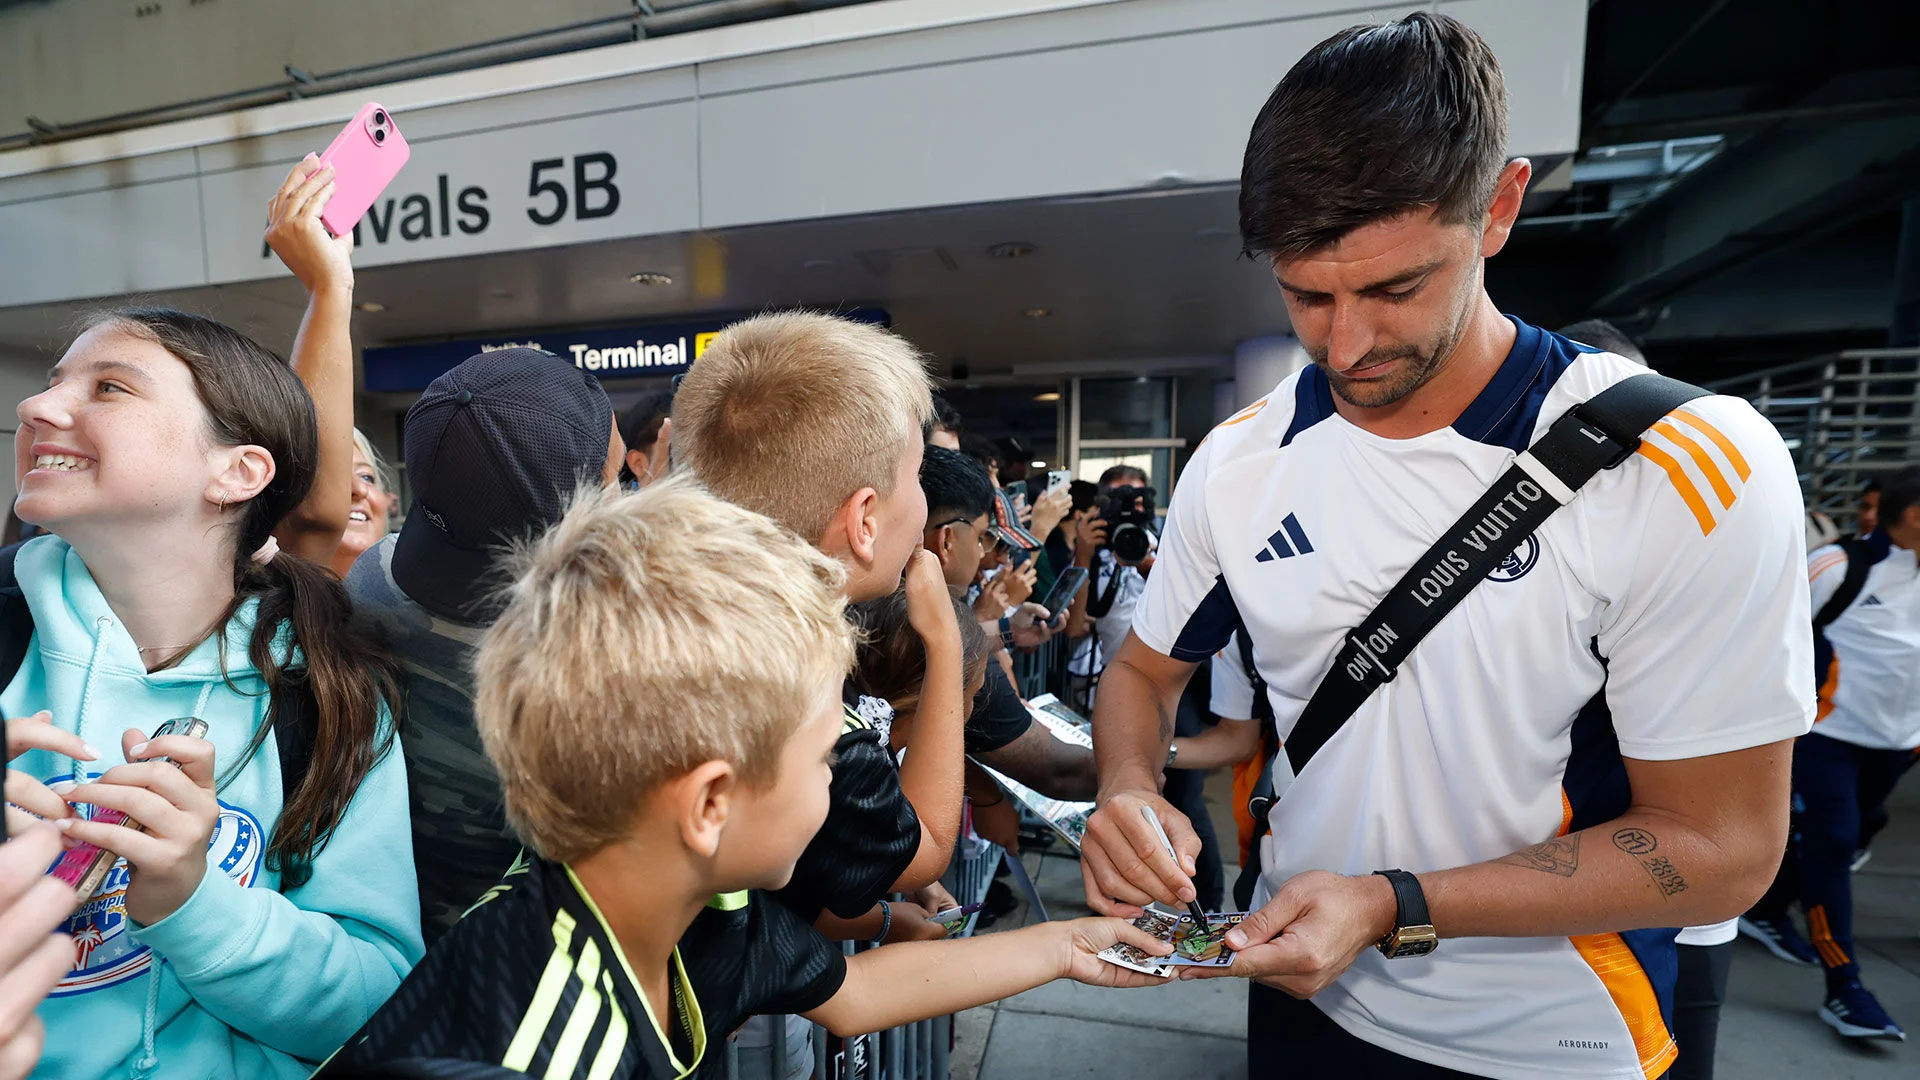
(1412, 933)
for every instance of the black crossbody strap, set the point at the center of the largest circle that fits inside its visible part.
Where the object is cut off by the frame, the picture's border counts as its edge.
(1860, 560)
(1595, 435)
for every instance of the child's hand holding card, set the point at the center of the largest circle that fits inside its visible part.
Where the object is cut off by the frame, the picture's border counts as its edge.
(1193, 946)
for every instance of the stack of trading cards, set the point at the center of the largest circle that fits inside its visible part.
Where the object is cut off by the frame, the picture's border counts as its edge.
(1192, 946)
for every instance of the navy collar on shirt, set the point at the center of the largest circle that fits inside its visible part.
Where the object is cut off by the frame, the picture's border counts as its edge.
(1505, 411)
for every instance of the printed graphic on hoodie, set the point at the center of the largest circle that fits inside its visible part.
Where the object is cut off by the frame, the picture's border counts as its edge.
(107, 954)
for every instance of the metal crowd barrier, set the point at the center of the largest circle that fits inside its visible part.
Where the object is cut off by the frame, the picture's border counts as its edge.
(917, 1051)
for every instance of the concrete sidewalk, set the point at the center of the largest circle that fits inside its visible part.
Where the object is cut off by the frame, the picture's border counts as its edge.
(1196, 1031)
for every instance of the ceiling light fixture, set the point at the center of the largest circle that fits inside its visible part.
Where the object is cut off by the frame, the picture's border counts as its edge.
(1051, 395)
(649, 277)
(372, 307)
(1036, 464)
(1037, 312)
(1012, 249)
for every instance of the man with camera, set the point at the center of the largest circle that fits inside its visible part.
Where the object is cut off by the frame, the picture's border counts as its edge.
(1113, 539)
(1533, 621)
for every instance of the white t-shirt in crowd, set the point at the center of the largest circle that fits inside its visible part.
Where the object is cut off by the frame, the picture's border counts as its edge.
(1871, 696)
(1092, 654)
(1683, 568)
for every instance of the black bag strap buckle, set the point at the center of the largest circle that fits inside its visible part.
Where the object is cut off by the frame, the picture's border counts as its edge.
(1584, 425)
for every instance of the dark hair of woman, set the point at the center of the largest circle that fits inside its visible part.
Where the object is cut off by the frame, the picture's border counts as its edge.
(253, 397)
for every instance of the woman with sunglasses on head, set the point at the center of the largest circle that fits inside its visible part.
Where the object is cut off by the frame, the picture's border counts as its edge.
(267, 905)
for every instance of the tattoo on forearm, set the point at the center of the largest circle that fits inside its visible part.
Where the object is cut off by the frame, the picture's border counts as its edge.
(1559, 856)
(1642, 844)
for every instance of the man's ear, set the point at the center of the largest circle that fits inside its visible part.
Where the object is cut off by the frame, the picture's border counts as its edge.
(855, 528)
(1508, 193)
(244, 473)
(703, 801)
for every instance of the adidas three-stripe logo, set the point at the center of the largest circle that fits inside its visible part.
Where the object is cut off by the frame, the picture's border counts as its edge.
(1289, 541)
(1871, 601)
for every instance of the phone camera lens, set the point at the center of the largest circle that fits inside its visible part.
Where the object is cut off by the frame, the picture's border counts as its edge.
(380, 118)
(379, 135)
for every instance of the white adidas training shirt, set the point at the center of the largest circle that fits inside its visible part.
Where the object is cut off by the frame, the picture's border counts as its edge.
(1684, 568)
(1871, 696)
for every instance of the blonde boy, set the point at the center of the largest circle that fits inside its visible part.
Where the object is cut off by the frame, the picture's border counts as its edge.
(661, 698)
(819, 423)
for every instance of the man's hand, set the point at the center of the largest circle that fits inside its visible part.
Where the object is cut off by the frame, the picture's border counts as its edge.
(1049, 510)
(1309, 933)
(1032, 626)
(175, 804)
(934, 899)
(1121, 860)
(1083, 940)
(1089, 533)
(1020, 582)
(992, 601)
(321, 261)
(929, 604)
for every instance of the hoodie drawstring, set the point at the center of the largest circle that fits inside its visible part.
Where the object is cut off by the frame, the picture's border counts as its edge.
(150, 1022)
(86, 693)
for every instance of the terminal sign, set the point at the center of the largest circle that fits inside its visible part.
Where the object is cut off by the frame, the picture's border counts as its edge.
(623, 352)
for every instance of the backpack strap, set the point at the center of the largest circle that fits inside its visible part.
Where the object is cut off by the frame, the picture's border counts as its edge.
(1860, 559)
(1593, 436)
(296, 727)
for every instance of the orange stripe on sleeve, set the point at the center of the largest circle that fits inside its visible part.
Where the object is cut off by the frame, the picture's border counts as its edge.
(1725, 444)
(1566, 814)
(1682, 484)
(1246, 414)
(1701, 458)
(1825, 563)
(1632, 993)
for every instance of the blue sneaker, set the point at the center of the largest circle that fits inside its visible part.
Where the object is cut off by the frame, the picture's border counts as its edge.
(1781, 939)
(1853, 1012)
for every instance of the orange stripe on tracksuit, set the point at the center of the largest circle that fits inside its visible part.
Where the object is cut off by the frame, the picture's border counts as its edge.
(1627, 984)
(1822, 935)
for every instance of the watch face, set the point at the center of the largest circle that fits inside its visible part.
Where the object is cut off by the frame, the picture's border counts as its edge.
(1410, 941)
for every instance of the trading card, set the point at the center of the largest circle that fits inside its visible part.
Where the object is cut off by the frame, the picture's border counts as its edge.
(1193, 947)
(1160, 924)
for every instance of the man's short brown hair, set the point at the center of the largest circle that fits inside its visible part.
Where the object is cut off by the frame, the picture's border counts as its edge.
(1373, 122)
(791, 413)
(645, 634)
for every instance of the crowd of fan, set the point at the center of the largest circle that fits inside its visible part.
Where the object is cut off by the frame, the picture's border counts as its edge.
(575, 681)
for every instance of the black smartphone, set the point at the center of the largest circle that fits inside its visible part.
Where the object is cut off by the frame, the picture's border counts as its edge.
(1018, 558)
(1065, 588)
(1015, 489)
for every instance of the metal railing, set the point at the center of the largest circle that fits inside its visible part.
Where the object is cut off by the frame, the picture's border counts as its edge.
(917, 1051)
(1847, 418)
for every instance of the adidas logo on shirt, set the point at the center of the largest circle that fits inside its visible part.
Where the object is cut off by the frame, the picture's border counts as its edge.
(1871, 601)
(1278, 545)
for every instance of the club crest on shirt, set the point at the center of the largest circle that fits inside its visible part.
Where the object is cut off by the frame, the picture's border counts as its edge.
(1518, 561)
(106, 952)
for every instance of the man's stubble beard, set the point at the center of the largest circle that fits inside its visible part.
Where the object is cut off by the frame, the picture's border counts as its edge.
(1423, 366)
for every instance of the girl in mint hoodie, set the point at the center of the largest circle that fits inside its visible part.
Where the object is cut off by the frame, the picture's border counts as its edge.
(247, 932)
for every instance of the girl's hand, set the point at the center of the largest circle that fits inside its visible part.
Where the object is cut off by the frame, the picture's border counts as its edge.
(37, 732)
(1082, 941)
(174, 803)
(911, 923)
(33, 958)
(320, 260)
(929, 604)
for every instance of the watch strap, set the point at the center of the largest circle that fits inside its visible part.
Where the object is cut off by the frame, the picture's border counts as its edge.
(1409, 899)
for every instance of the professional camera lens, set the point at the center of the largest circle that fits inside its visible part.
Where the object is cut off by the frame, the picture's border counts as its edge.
(379, 118)
(379, 135)
(1129, 543)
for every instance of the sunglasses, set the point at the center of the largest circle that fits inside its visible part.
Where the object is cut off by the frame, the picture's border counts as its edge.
(990, 536)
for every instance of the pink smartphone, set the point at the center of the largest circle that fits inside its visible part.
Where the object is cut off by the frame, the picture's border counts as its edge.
(366, 156)
(84, 866)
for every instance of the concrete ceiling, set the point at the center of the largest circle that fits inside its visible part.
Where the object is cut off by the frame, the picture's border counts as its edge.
(1123, 280)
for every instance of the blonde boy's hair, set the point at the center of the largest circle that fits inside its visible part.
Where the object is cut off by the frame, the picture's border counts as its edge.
(791, 413)
(646, 633)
